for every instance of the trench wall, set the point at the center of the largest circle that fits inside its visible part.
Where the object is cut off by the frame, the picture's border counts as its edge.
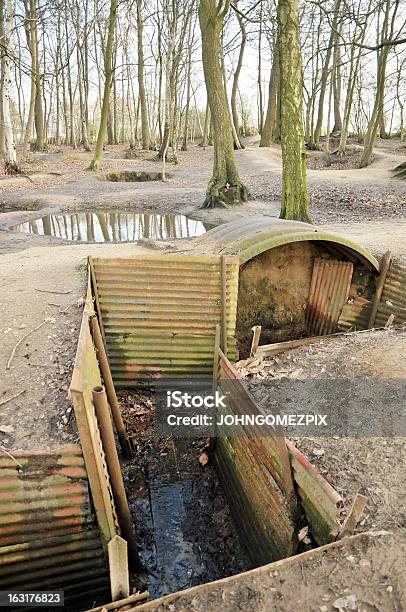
(49, 534)
(158, 314)
(272, 488)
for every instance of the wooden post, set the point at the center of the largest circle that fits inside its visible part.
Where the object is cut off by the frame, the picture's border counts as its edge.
(379, 287)
(216, 357)
(223, 274)
(116, 478)
(92, 274)
(255, 339)
(118, 568)
(94, 468)
(354, 516)
(110, 390)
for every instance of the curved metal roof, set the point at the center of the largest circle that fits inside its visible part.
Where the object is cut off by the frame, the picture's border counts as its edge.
(250, 237)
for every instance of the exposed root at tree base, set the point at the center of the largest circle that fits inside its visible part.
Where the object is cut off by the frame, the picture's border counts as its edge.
(223, 195)
(11, 169)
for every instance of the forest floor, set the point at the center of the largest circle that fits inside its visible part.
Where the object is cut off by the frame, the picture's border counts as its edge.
(43, 283)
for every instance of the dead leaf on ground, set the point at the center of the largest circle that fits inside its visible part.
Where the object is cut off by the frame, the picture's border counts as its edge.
(204, 458)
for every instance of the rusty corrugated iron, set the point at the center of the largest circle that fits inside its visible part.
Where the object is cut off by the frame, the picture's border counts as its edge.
(393, 300)
(159, 314)
(318, 498)
(257, 474)
(49, 537)
(355, 314)
(329, 290)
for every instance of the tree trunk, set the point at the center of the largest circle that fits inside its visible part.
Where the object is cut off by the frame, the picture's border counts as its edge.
(146, 136)
(2, 60)
(10, 155)
(268, 132)
(260, 94)
(295, 203)
(387, 33)
(237, 72)
(206, 128)
(108, 72)
(225, 186)
(377, 110)
(338, 124)
(324, 76)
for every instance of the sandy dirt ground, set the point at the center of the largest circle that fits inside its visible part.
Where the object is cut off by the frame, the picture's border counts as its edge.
(43, 282)
(42, 286)
(364, 575)
(353, 463)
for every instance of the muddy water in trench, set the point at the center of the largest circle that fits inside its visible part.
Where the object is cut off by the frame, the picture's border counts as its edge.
(182, 520)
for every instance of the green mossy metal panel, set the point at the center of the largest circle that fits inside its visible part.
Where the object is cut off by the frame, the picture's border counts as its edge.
(159, 314)
(248, 238)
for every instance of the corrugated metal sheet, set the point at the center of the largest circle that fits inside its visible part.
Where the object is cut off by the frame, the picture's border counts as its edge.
(159, 314)
(355, 314)
(49, 537)
(329, 290)
(318, 498)
(258, 471)
(393, 300)
(258, 234)
(257, 475)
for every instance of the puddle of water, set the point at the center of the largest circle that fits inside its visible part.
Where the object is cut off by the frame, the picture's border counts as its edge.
(115, 226)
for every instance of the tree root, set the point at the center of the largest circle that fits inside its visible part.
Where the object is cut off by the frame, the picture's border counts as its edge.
(220, 194)
(11, 168)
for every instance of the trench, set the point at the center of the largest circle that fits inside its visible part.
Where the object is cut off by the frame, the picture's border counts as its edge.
(129, 176)
(181, 517)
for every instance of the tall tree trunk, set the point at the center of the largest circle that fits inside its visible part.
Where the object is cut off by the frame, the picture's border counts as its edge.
(188, 95)
(268, 131)
(260, 93)
(206, 128)
(225, 186)
(295, 202)
(2, 61)
(35, 111)
(108, 73)
(387, 31)
(145, 131)
(38, 107)
(377, 110)
(237, 72)
(324, 76)
(338, 124)
(10, 155)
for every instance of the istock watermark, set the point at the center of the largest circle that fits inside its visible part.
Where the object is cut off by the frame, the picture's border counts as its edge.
(300, 408)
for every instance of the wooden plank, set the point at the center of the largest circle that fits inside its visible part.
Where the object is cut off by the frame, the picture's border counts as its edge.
(379, 287)
(118, 568)
(116, 478)
(216, 357)
(354, 515)
(223, 265)
(93, 461)
(255, 339)
(92, 279)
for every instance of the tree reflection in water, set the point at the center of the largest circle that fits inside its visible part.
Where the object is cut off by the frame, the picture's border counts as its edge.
(101, 226)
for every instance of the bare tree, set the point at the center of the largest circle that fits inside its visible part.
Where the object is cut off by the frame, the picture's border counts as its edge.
(295, 203)
(10, 155)
(225, 186)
